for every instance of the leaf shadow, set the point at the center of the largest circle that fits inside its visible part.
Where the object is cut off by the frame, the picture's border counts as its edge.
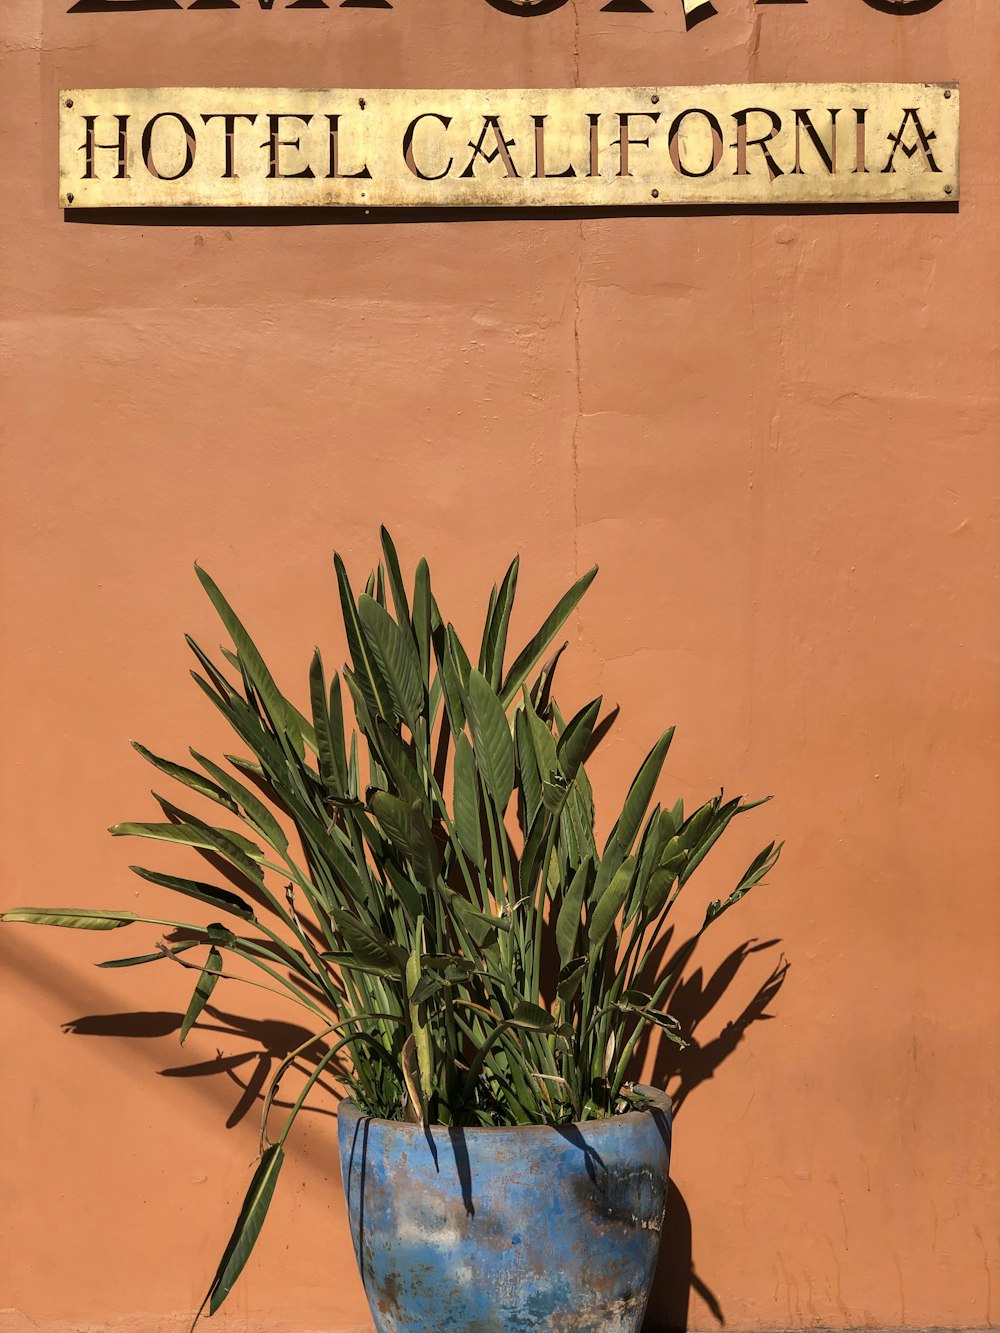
(691, 999)
(249, 1070)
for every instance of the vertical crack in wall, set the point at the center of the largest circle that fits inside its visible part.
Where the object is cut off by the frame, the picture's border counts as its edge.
(753, 41)
(578, 413)
(577, 282)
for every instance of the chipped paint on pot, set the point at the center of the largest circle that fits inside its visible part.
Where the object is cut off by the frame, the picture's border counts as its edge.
(512, 1230)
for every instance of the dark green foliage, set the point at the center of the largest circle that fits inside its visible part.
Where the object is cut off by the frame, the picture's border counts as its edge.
(418, 929)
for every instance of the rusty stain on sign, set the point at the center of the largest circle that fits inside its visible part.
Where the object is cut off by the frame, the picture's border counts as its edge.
(783, 144)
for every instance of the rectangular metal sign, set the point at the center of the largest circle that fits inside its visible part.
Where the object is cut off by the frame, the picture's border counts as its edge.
(782, 144)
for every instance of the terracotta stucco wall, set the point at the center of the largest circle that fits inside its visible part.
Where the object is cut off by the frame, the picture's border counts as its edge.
(776, 434)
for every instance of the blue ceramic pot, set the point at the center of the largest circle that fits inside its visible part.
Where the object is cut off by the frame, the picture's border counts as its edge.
(514, 1230)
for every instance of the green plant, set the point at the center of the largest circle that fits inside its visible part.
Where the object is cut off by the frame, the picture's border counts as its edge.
(449, 921)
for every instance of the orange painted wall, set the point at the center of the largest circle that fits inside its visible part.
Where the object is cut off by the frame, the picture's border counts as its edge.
(776, 434)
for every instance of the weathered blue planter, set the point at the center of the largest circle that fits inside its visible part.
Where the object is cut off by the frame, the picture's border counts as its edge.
(507, 1230)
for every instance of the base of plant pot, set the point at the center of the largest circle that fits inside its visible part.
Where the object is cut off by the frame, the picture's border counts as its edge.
(514, 1230)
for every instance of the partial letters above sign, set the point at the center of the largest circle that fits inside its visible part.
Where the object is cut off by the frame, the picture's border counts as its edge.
(737, 144)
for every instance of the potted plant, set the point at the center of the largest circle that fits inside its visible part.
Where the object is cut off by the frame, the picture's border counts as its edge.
(427, 884)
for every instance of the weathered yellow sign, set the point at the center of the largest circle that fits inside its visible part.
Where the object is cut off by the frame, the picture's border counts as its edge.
(737, 144)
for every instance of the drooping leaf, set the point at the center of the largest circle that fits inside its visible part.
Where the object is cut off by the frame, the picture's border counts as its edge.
(156, 957)
(217, 897)
(393, 815)
(193, 833)
(202, 991)
(427, 986)
(531, 1017)
(248, 1226)
(188, 777)
(73, 918)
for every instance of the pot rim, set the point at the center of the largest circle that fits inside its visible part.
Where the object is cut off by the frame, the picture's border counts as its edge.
(660, 1100)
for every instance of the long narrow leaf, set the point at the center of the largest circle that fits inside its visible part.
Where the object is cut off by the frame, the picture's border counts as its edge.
(536, 645)
(466, 802)
(202, 991)
(422, 618)
(188, 777)
(637, 801)
(247, 1229)
(495, 639)
(273, 700)
(158, 956)
(249, 804)
(395, 578)
(73, 918)
(325, 747)
(573, 743)
(370, 679)
(237, 848)
(223, 899)
(491, 739)
(610, 904)
(396, 655)
(570, 915)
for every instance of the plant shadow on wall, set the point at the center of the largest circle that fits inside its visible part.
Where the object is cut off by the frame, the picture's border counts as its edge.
(468, 963)
(693, 999)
